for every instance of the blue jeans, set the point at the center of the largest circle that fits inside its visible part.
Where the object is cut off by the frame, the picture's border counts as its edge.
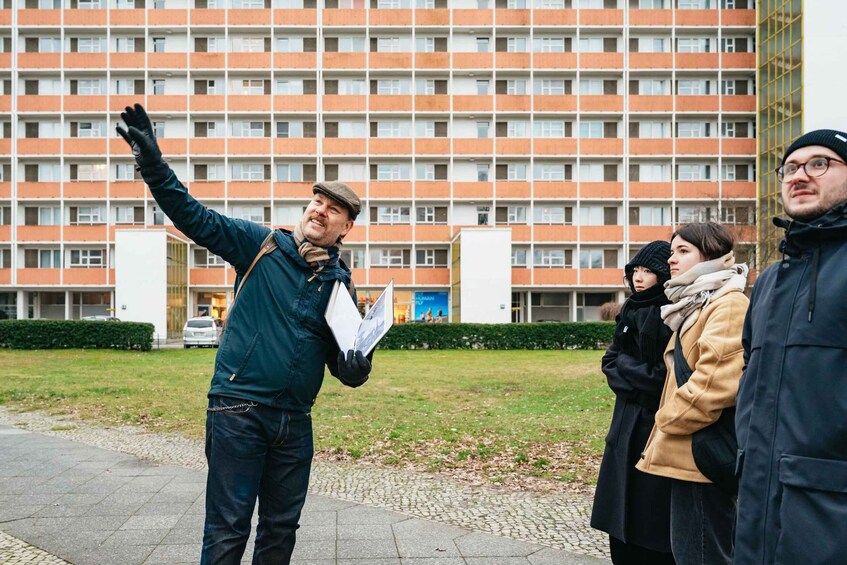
(702, 523)
(254, 451)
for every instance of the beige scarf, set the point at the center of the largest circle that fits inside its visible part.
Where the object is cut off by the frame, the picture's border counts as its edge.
(317, 257)
(692, 291)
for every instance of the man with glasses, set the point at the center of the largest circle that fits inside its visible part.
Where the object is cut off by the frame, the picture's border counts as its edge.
(791, 416)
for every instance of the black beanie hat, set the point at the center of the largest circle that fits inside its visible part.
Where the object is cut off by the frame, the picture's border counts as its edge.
(655, 257)
(829, 138)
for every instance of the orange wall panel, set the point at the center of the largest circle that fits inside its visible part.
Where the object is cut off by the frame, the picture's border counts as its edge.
(555, 103)
(249, 103)
(345, 60)
(295, 60)
(514, 103)
(472, 17)
(86, 146)
(249, 17)
(739, 189)
(173, 146)
(208, 277)
(95, 61)
(432, 17)
(127, 189)
(520, 233)
(89, 276)
(556, 17)
(126, 17)
(554, 233)
(389, 17)
(206, 102)
(393, 234)
(39, 146)
(431, 60)
(126, 61)
(697, 103)
(344, 17)
(600, 277)
(696, 17)
(738, 61)
(439, 233)
(738, 17)
(650, 147)
(513, 189)
(506, 17)
(76, 103)
(5, 60)
(611, 146)
(5, 274)
(249, 146)
(438, 276)
(85, 18)
(344, 146)
(555, 189)
(743, 103)
(432, 189)
(167, 60)
(5, 189)
(390, 189)
(473, 60)
(208, 17)
(293, 190)
(340, 103)
(39, 190)
(248, 189)
(206, 146)
(117, 103)
(472, 146)
(210, 190)
(516, 146)
(645, 103)
(39, 276)
(390, 146)
(554, 276)
(473, 190)
(651, 60)
(563, 146)
(512, 60)
(601, 103)
(208, 60)
(599, 17)
(697, 61)
(39, 233)
(697, 189)
(601, 61)
(390, 61)
(85, 189)
(649, 233)
(382, 276)
(562, 61)
(432, 146)
(295, 146)
(744, 233)
(432, 103)
(662, 190)
(390, 103)
(167, 103)
(249, 61)
(33, 17)
(601, 190)
(697, 146)
(86, 233)
(741, 146)
(521, 276)
(169, 18)
(39, 60)
(299, 17)
(5, 146)
(601, 233)
(650, 17)
(472, 103)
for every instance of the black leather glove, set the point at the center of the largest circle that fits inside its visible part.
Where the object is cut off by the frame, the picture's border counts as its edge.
(139, 135)
(354, 368)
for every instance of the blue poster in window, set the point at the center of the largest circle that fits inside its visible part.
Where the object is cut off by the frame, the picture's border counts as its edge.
(431, 307)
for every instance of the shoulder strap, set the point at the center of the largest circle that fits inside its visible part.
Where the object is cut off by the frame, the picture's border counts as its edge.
(681, 370)
(268, 245)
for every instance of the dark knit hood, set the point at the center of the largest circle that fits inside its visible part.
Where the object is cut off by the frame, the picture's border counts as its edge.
(655, 257)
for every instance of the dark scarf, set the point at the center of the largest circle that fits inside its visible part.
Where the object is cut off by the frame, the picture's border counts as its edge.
(317, 257)
(641, 332)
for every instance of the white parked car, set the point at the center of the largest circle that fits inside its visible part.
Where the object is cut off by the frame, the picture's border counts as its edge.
(203, 331)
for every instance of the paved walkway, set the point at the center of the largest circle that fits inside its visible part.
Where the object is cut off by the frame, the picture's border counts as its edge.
(87, 504)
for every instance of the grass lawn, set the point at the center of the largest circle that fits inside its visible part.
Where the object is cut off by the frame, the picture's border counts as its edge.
(528, 419)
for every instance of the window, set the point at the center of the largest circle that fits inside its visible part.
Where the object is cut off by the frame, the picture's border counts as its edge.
(425, 44)
(348, 129)
(482, 213)
(591, 216)
(742, 215)
(91, 45)
(289, 44)
(553, 215)
(651, 216)
(49, 216)
(250, 213)
(654, 130)
(393, 128)
(424, 171)
(158, 45)
(653, 87)
(248, 129)
(591, 259)
(387, 258)
(253, 86)
(388, 44)
(693, 87)
(49, 172)
(591, 172)
(693, 45)
(288, 129)
(550, 128)
(289, 87)
(431, 258)
(482, 130)
(86, 257)
(482, 87)
(692, 129)
(215, 44)
(91, 129)
(388, 87)
(695, 214)
(519, 257)
(549, 258)
(392, 171)
(516, 45)
(248, 44)
(591, 44)
(204, 259)
(516, 172)
(49, 259)
(650, 172)
(158, 86)
(482, 44)
(248, 172)
(91, 172)
(693, 172)
(92, 87)
(425, 128)
(353, 87)
(90, 215)
(49, 45)
(392, 215)
(289, 172)
(548, 44)
(517, 128)
(653, 45)
(425, 87)
(159, 129)
(591, 86)
(549, 171)
(425, 215)
(482, 172)
(124, 215)
(516, 87)
(351, 44)
(353, 258)
(590, 129)
(516, 4)
(550, 87)
(516, 215)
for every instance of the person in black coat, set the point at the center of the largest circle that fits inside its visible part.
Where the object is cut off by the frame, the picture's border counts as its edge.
(631, 506)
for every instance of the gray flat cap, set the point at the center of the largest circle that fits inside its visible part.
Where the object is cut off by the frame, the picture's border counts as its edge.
(341, 193)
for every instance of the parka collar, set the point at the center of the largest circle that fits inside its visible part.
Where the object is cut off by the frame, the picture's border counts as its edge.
(803, 235)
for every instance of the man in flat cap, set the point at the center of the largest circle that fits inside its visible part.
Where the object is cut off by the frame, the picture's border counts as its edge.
(270, 364)
(791, 414)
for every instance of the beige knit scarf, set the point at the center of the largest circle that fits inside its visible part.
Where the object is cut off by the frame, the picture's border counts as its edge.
(692, 291)
(317, 257)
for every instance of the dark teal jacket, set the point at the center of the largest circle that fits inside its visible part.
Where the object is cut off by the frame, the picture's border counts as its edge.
(276, 341)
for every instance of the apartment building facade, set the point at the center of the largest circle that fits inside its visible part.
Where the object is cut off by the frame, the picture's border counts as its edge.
(587, 127)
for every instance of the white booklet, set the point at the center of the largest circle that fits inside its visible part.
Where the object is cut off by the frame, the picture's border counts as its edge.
(348, 327)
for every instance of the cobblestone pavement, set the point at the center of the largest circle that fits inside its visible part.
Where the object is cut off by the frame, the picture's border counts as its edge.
(558, 521)
(16, 552)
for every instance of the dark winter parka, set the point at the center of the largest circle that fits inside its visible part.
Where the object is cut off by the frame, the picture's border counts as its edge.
(629, 505)
(791, 414)
(277, 341)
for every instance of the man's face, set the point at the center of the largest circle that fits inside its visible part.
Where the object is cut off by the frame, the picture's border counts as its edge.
(806, 197)
(325, 220)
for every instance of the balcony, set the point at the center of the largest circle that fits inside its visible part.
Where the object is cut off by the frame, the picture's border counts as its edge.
(662, 18)
(697, 61)
(432, 146)
(559, 61)
(86, 146)
(513, 189)
(698, 146)
(39, 277)
(126, 18)
(432, 103)
(242, 61)
(555, 103)
(206, 146)
(599, 17)
(39, 60)
(561, 146)
(467, 17)
(641, 147)
(85, 189)
(472, 146)
(127, 190)
(512, 18)
(647, 190)
(521, 276)
(390, 189)
(432, 276)
(555, 18)
(390, 234)
(473, 60)
(93, 276)
(697, 189)
(295, 17)
(215, 61)
(556, 276)
(32, 190)
(207, 102)
(600, 277)
(432, 233)
(126, 61)
(513, 146)
(284, 103)
(609, 146)
(82, 103)
(472, 103)
(390, 61)
(33, 17)
(390, 103)
(505, 61)
(344, 146)
(738, 189)
(382, 276)
(740, 18)
(207, 190)
(431, 17)
(208, 17)
(293, 190)
(170, 18)
(345, 103)
(249, 190)
(608, 189)
(602, 61)
(513, 103)
(601, 103)
(601, 234)
(432, 189)
(167, 103)
(390, 146)
(209, 277)
(697, 103)
(28, 234)
(178, 61)
(295, 146)
(249, 17)
(555, 189)
(745, 61)
(39, 146)
(258, 146)
(37, 103)
(555, 233)
(738, 103)
(173, 146)
(389, 18)
(645, 103)
(86, 233)
(432, 60)
(85, 61)
(739, 147)
(649, 233)
(473, 190)
(344, 17)
(651, 60)
(85, 18)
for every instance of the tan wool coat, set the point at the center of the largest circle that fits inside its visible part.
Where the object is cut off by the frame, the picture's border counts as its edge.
(712, 348)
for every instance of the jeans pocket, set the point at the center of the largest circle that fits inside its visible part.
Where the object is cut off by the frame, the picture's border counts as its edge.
(814, 499)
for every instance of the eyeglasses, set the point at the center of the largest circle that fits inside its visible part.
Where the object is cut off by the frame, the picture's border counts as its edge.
(814, 167)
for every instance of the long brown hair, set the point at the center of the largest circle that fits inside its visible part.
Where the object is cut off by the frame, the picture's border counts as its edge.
(712, 239)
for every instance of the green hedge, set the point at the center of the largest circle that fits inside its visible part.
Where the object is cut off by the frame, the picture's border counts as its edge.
(568, 335)
(75, 334)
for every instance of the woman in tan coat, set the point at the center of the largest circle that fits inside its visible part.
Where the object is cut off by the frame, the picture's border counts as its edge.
(707, 310)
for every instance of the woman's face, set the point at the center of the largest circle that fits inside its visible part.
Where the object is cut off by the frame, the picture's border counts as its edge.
(684, 255)
(643, 278)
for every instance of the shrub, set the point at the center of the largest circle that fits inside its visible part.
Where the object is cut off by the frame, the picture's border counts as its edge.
(567, 335)
(75, 334)
(610, 310)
